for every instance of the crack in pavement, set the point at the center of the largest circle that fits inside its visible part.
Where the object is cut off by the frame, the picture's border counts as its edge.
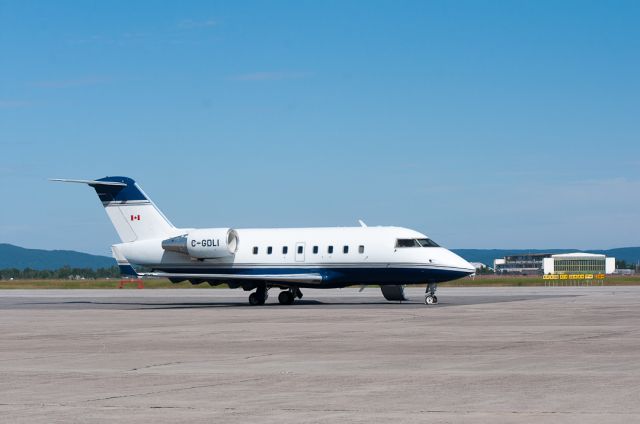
(232, 409)
(259, 356)
(156, 365)
(201, 386)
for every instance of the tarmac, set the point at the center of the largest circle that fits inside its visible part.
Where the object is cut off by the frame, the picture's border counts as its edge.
(482, 355)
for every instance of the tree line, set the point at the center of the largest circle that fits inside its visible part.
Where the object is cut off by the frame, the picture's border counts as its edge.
(622, 264)
(63, 273)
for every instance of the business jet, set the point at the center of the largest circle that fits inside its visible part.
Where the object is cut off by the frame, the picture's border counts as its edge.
(289, 259)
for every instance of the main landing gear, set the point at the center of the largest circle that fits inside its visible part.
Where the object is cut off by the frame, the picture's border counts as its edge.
(259, 296)
(286, 297)
(430, 297)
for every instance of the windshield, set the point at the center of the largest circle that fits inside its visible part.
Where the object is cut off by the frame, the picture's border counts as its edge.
(425, 242)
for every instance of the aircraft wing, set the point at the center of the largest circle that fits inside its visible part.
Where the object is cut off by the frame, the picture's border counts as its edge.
(127, 269)
(276, 278)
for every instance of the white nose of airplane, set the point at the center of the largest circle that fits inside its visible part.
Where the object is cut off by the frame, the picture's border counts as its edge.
(456, 261)
(464, 264)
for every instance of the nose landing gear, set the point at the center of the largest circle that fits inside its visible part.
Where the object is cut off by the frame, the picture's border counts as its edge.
(430, 297)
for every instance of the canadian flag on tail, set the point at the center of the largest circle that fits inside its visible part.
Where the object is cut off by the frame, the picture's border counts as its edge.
(135, 217)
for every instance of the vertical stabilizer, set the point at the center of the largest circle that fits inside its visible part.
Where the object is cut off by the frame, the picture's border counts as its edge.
(132, 213)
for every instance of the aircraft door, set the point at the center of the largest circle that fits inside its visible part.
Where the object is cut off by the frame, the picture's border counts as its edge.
(299, 252)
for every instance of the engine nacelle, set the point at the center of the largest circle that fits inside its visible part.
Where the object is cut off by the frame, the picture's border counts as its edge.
(207, 243)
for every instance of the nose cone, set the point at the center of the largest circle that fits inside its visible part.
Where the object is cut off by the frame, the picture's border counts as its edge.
(456, 261)
(470, 269)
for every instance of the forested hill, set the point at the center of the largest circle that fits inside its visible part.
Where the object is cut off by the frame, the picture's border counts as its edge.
(18, 257)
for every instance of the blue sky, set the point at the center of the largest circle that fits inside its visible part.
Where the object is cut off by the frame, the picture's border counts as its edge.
(485, 124)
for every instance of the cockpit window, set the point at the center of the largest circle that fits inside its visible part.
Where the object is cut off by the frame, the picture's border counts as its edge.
(407, 243)
(428, 243)
(425, 242)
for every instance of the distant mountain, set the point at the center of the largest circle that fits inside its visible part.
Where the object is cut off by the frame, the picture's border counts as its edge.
(18, 257)
(486, 256)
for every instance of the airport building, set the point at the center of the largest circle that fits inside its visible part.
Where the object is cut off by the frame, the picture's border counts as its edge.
(528, 263)
(547, 263)
(579, 263)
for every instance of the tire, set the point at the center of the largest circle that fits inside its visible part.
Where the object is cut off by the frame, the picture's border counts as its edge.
(286, 297)
(435, 299)
(428, 300)
(254, 300)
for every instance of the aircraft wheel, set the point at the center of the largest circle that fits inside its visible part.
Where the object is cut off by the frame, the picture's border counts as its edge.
(428, 300)
(435, 299)
(255, 300)
(286, 297)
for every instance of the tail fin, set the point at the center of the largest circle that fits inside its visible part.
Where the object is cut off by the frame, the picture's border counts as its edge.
(132, 213)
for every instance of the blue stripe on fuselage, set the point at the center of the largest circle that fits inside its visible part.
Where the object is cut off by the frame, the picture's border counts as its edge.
(335, 277)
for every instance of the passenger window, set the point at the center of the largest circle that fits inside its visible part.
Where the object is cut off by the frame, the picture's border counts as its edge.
(345, 249)
(361, 249)
(255, 250)
(285, 249)
(330, 249)
(269, 250)
(315, 250)
(299, 250)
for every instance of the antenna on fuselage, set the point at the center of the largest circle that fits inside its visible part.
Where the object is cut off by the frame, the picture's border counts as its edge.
(362, 224)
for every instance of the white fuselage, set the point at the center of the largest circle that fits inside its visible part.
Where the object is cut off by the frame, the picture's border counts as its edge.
(342, 255)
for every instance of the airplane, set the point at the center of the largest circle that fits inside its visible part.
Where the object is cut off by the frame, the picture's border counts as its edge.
(289, 259)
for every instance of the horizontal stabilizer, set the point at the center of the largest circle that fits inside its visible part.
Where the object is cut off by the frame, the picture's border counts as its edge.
(90, 182)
